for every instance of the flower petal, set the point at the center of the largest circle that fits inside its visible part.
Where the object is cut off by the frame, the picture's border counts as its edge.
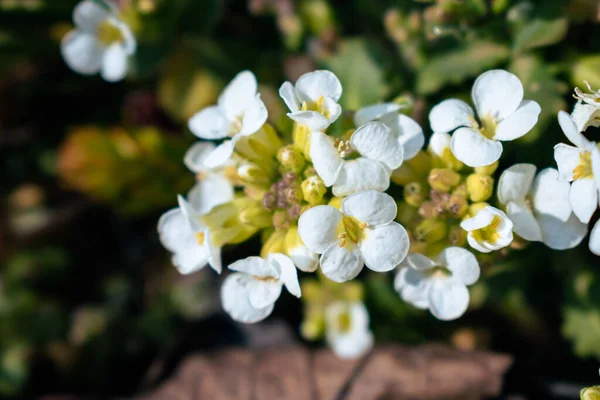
(419, 261)
(584, 198)
(570, 130)
(238, 95)
(410, 135)
(438, 142)
(221, 154)
(448, 299)
(317, 227)
(254, 117)
(304, 259)
(315, 121)
(88, 14)
(474, 149)
(497, 93)
(567, 159)
(213, 252)
(462, 263)
(191, 258)
(311, 86)
(374, 208)
(255, 266)
(525, 222)
(550, 196)
(375, 141)
(515, 183)
(173, 229)
(114, 63)
(209, 192)
(263, 293)
(341, 264)
(288, 94)
(449, 115)
(562, 235)
(482, 219)
(82, 52)
(594, 243)
(210, 123)
(287, 272)
(361, 174)
(374, 112)
(384, 247)
(236, 302)
(520, 122)
(325, 157)
(585, 115)
(358, 340)
(413, 287)
(196, 154)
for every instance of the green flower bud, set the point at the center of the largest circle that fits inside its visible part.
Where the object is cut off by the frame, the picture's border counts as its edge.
(430, 230)
(313, 190)
(274, 244)
(450, 160)
(480, 187)
(487, 170)
(475, 208)
(591, 393)
(280, 220)
(301, 139)
(252, 174)
(458, 206)
(291, 159)
(443, 179)
(256, 215)
(413, 170)
(415, 193)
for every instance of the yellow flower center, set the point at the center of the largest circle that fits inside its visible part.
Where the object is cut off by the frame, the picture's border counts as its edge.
(352, 230)
(108, 33)
(488, 126)
(344, 322)
(489, 233)
(200, 236)
(584, 169)
(316, 106)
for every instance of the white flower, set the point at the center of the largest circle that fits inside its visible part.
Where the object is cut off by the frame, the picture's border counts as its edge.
(239, 112)
(540, 209)
(182, 233)
(439, 285)
(212, 187)
(100, 42)
(406, 130)
(592, 98)
(249, 294)
(364, 162)
(313, 101)
(347, 329)
(362, 232)
(490, 229)
(503, 116)
(585, 115)
(581, 165)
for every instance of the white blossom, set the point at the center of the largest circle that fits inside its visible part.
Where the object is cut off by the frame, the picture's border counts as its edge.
(585, 115)
(347, 329)
(539, 208)
(249, 294)
(362, 232)
(365, 162)
(490, 229)
(406, 130)
(438, 284)
(313, 100)
(239, 112)
(503, 116)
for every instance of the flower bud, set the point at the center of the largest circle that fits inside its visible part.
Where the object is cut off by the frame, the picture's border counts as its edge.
(406, 214)
(415, 193)
(443, 179)
(255, 215)
(476, 207)
(487, 170)
(252, 174)
(274, 244)
(457, 236)
(313, 190)
(413, 170)
(450, 160)
(480, 187)
(301, 139)
(281, 220)
(336, 202)
(291, 159)
(458, 206)
(293, 194)
(430, 230)
(591, 393)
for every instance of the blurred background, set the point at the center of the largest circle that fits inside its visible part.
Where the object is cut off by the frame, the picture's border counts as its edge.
(89, 301)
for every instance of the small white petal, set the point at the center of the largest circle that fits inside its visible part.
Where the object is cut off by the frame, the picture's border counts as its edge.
(341, 264)
(114, 63)
(525, 222)
(173, 229)
(353, 346)
(570, 130)
(410, 135)
(419, 261)
(209, 123)
(561, 235)
(474, 149)
(370, 206)
(374, 112)
(383, 248)
(550, 196)
(449, 115)
(213, 252)
(311, 86)
(236, 302)
(191, 258)
(515, 183)
(462, 263)
(195, 156)
(594, 244)
(82, 52)
(478, 246)
(263, 293)
(317, 227)
(482, 219)
(438, 142)
(375, 141)
(209, 192)
(520, 122)
(448, 299)
(497, 93)
(596, 164)
(585, 115)
(288, 94)
(361, 174)
(567, 159)
(304, 259)
(287, 272)
(238, 95)
(255, 266)
(315, 121)
(584, 198)
(413, 287)
(325, 157)
(88, 14)
(332, 109)
(221, 154)
(254, 117)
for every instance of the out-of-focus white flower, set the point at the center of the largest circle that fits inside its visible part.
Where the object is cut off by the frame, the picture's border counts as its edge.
(580, 165)
(439, 284)
(502, 112)
(406, 130)
(336, 161)
(212, 187)
(313, 101)
(362, 232)
(347, 329)
(182, 233)
(490, 229)
(239, 112)
(249, 294)
(540, 209)
(101, 41)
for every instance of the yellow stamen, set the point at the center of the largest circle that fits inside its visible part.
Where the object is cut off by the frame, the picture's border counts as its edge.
(489, 233)
(200, 236)
(316, 106)
(488, 126)
(343, 242)
(584, 169)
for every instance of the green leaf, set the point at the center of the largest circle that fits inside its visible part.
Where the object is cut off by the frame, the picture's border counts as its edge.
(358, 67)
(540, 33)
(460, 64)
(587, 68)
